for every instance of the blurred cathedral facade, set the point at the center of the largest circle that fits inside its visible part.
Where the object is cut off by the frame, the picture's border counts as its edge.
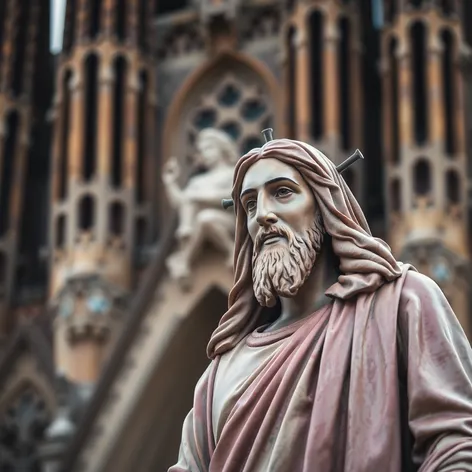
(99, 348)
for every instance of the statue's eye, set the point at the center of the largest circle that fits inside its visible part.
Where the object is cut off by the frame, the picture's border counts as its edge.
(250, 205)
(283, 192)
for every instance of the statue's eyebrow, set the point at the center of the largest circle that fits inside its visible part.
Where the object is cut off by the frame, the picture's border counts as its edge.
(269, 182)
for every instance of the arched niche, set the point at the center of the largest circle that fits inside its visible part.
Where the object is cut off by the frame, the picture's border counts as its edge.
(70, 26)
(117, 118)
(60, 231)
(231, 80)
(117, 219)
(316, 25)
(3, 270)
(291, 74)
(64, 134)
(89, 159)
(453, 187)
(395, 195)
(7, 167)
(95, 18)
(86, 213)
(422, 177)
(418, 40)
(449, 98)
(394, 100)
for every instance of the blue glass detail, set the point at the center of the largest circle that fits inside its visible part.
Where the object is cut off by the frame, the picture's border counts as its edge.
(205, 119)
(230, 96)
(253, 109)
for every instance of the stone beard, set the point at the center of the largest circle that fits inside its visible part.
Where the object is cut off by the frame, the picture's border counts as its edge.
(281, 269)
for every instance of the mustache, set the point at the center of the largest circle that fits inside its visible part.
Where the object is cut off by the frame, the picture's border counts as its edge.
(281, 231)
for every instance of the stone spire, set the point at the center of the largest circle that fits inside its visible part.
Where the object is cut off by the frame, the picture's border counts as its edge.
(103, 124)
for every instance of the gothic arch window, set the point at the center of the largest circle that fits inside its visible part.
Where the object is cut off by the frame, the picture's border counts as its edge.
(344, 54)
(316, 28)
(422, 177)
(467, 21)
(61, 232)
(141, 232)
(64, 125)
(142, 149)
(10, 147)
(390, 10)
(291, 49)
(90, 116)
(95, 17)
(453, 190)
(448, 92)
(20, 45)
(120, 70)
(86, 213)
(2, 28)
(143, 16)
(394, 112)
(22, 425)
(69, 30)
(418, 38)
(238, 107)
(117, 219)
(3, 270)
(120, 19)
(395, 195)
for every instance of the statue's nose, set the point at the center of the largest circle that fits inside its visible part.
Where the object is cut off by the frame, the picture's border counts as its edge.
(265, 216)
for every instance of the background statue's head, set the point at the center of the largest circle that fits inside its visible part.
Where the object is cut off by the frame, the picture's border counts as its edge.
(215, 146)
(293, 190)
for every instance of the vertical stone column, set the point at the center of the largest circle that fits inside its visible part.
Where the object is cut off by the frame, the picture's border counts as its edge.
(302, 76)
(436, 120)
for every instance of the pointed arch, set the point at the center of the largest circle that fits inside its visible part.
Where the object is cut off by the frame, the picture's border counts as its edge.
(233, 59)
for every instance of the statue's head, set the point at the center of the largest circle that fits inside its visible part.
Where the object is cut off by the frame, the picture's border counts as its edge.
(287, 197)
(285, 226)
(214, 146)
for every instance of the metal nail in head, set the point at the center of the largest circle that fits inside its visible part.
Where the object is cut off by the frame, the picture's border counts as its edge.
(268, 134)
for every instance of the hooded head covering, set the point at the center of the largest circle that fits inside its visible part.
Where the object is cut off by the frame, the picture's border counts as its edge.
(365, 262)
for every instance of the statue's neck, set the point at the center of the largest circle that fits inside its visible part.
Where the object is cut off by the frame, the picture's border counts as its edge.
(309, 298)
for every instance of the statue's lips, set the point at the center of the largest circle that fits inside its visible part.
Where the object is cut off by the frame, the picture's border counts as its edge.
(271, 239)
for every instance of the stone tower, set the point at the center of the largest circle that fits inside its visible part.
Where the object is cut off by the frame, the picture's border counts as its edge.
(322, 70)
(101, 162)
(24, 68)
(424, 143)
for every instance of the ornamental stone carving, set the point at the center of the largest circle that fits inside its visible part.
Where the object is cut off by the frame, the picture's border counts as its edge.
(87, 306)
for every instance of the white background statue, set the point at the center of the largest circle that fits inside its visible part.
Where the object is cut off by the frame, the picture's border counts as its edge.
(201, 216)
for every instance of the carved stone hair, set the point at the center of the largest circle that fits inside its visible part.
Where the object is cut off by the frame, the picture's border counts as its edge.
(365, 262)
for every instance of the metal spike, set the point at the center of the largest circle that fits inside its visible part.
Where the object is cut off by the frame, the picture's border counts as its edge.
(268, 134)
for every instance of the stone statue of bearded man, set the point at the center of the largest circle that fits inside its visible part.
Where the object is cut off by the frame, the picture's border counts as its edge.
(376, 375)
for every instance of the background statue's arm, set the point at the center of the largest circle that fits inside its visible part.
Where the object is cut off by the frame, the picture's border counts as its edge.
(438, 361)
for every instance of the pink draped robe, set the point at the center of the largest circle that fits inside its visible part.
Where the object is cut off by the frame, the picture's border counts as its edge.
(323, 393)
